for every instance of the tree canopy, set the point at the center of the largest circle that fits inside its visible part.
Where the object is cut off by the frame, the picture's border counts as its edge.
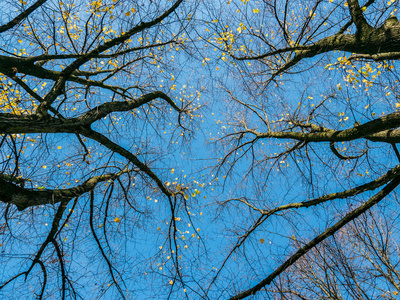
(199, 150)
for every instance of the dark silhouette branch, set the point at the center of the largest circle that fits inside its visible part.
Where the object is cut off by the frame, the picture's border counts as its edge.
(21, 16)
(24, 198)
(60, 83)
(317, 240)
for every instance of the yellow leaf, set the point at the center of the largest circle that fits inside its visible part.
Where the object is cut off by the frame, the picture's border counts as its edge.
(262, 241)
(117, 220)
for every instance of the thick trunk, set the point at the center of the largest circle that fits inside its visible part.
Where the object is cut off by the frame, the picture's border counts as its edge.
(22, 198)
(14, 124)
(370, 40)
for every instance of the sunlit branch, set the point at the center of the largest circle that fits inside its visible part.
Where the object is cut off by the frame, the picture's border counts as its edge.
(357, 16)
(272, 53)
(368, 42)
(377, 57)
(348, 24)
(380, 129)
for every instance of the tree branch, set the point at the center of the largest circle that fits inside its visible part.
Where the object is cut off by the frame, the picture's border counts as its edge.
(91, 134)
(344, 157)
(321, 237)
(357, 16)
(58, 86)
(104, 109)
(380, 129)
(21, 16)
(375, 43)
(24, 198)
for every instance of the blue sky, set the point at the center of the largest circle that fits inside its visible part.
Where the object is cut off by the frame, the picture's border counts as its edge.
(135, 234)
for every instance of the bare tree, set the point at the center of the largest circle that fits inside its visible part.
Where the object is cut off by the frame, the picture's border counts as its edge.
(359, 262)
(312, 120)
(84, 108)
(92, 118)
